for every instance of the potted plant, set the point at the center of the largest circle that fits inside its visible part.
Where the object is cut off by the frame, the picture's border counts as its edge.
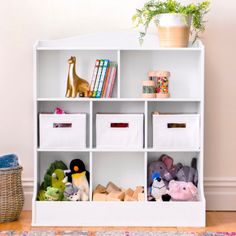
(173, 19)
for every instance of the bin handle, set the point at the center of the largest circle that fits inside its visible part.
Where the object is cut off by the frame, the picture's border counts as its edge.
(176, 125)
(119, 125)
(62, 125)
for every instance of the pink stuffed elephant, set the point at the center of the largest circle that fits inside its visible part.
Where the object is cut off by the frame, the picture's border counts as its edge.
(182, 191)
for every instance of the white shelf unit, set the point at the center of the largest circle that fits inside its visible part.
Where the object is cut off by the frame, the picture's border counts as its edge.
(128, 167)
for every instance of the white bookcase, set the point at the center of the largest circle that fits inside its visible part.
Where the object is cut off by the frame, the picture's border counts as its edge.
(127, 168)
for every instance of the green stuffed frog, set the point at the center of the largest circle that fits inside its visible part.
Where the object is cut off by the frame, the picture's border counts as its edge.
(57, 179)
(53, 194)
(47, 181)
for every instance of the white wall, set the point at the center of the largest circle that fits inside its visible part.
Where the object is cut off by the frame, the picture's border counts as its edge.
(23, 22)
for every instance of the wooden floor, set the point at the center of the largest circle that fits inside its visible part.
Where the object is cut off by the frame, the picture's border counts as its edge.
(216, 222)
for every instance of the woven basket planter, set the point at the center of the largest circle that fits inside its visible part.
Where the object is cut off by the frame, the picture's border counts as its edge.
(11, 194)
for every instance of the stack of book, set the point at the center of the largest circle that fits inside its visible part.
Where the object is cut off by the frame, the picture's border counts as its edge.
(103, 79)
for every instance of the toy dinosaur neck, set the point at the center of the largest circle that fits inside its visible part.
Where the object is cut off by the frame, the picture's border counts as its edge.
(72, 71)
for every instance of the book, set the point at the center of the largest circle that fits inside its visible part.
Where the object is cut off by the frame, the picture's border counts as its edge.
(111, 81)
(113, 77)
(106, 81)
(102, 78)
(97, 79)
(94, 76)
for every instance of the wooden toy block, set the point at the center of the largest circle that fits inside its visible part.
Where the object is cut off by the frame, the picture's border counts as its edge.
(117, 194)
(141, 197)
(139, 189)
(111, 187)
(100, 189)
(129, 192)
(112, 199)
(129, 198)
(101, 197)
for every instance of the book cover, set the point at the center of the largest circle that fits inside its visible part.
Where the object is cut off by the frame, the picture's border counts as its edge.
(98, 78)
(113, 67)
(102, 78)
(94, 76)
(106, 81)
(113, 77)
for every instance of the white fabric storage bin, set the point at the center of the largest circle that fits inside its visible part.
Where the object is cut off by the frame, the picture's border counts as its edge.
(62, 130)
(119, 131)
(179, 131)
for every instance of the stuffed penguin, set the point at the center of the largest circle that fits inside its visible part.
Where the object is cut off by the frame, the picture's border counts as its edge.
(78, 175)
(158, 187)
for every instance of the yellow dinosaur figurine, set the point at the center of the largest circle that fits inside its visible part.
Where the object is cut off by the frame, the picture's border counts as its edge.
(75, 85)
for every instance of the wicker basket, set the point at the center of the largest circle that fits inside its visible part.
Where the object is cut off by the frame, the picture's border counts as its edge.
(11, 194)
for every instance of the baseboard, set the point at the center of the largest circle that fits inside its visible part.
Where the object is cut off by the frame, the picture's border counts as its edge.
(220, 193)
(28, 187)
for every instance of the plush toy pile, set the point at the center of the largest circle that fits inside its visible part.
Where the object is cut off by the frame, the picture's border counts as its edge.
(61, 184)
(167, 181)
(113, 193)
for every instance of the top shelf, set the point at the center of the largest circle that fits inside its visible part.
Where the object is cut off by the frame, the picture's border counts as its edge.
(110, 41)
(186, 66)
(119, 99)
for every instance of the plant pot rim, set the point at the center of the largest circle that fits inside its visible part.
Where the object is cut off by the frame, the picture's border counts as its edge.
(173, 19)
(173, 13)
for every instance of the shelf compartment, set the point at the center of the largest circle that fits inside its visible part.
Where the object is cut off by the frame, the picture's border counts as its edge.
(46, 158)
(125, 169)
(52, 69)
(128, 107)
(184, 158)
(170, 107)
(68, 107)
(186, 71)
(179, 214)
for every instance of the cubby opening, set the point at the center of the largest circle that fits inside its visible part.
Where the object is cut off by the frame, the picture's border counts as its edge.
(185, 158)
(53, 68)
(169, 108)
(116, 107)
(70, 108)
(46, 158)
(184, 66)
(125, 169)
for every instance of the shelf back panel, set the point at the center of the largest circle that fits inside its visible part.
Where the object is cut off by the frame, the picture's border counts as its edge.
(124, 169)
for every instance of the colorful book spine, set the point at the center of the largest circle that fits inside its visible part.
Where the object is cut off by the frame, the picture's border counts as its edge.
(110, 79)
(92, 84)
(102, 78)
(97, 79)
(106, 81)
(113, 77)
